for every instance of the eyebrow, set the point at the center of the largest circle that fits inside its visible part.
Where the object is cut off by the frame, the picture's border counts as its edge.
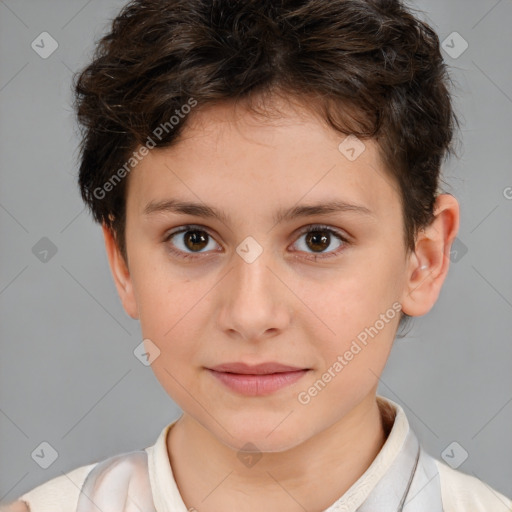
(282, 215)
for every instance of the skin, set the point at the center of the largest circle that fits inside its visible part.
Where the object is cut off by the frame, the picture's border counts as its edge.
(282, 307)
(18, 506)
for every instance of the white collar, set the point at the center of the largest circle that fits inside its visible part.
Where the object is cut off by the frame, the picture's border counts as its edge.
(396, 462)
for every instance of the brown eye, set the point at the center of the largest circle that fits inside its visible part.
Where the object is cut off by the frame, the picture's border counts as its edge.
(195, 240)
(320, 238)
(188, 240)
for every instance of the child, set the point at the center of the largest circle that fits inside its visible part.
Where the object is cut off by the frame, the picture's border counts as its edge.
(300, 143)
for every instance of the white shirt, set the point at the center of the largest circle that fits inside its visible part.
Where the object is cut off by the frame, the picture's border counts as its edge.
(457, 491)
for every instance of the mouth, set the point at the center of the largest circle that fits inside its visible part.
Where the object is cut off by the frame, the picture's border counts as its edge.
(257, 380)
(256, 369)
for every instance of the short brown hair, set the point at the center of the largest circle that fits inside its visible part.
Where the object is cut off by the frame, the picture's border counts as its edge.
(369, 67)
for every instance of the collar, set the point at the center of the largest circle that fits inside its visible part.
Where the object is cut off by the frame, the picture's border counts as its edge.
(401, 478)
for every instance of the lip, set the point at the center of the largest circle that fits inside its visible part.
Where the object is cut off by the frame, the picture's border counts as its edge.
(257, 369)
(257, 380)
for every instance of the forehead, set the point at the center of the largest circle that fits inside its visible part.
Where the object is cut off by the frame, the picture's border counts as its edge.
(227, 154)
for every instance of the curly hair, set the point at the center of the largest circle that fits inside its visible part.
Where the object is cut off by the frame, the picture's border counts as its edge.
(369, 68)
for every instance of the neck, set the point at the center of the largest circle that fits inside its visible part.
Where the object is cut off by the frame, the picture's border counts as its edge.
(311, 475)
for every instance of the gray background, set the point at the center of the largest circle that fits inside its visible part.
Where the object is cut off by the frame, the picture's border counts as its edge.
(68, 375)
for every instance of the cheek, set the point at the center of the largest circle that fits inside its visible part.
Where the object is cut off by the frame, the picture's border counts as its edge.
(344, 303)
(170, 316)
(172, 310)
(158, 291)
(354, 317)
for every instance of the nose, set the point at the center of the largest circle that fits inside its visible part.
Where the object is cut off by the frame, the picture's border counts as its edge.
(255, 302)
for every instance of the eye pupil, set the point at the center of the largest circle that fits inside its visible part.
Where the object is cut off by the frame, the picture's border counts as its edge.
(318, 240)
(196, 239)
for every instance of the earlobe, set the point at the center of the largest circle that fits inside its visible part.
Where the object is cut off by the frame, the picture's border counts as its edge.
(120, 273)
(428, 265)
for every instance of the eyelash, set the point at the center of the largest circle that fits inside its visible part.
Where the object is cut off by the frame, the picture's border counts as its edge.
(312, 228)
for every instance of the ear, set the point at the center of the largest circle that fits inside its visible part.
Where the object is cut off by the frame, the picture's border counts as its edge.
(120, 273)
(428, 264)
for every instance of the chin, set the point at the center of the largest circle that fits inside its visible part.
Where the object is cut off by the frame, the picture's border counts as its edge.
(265, 439)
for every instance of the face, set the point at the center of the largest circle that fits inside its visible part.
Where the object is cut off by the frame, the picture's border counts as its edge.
(253, 287)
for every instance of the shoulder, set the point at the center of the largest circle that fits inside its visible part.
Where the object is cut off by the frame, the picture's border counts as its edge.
(18, 506)
(60, 494)
(466, 493)
(104, 483)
